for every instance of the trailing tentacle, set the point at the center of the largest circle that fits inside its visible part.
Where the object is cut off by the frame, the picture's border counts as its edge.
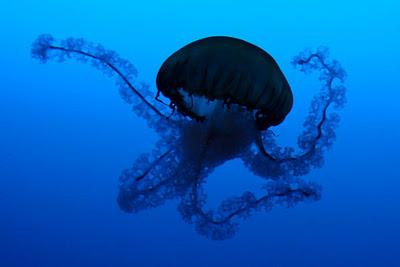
(107, 61)
(222, 223)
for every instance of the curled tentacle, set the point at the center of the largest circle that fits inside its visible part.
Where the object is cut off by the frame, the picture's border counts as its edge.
(318, 134)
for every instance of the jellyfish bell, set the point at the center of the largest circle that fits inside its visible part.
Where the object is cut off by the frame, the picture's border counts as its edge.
(223, 71)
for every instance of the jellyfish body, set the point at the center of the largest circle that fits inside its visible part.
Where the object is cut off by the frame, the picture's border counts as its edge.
(232, 91)
(230, 70)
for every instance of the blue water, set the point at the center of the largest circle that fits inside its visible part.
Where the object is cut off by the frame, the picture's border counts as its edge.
(66, 135)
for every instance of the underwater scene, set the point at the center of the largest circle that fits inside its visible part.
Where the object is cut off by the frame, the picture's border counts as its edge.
(200, 133)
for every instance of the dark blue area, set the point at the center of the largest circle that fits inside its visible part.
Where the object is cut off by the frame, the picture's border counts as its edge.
(66, 135)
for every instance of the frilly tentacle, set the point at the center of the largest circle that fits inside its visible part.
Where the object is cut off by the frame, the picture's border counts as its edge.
(319, 126)
(137, 94)
(223, 222)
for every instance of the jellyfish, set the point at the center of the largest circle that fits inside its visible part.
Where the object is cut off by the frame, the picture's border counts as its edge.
(217, 99)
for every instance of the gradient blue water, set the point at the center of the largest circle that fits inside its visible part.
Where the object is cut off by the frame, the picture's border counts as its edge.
(66, 135)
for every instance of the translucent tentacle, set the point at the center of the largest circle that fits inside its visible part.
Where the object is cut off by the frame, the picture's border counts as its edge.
(223, 222)
(318, 134)
(150, 181)
(110, 63)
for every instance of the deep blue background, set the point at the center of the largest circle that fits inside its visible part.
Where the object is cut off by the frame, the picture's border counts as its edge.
(65, 136)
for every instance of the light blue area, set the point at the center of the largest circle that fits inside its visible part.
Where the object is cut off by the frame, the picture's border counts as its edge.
(66, 135)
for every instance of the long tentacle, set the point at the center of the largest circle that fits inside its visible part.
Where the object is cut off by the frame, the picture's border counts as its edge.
(149, 183)
(152, 165)
(108, 61)
(222, 223)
